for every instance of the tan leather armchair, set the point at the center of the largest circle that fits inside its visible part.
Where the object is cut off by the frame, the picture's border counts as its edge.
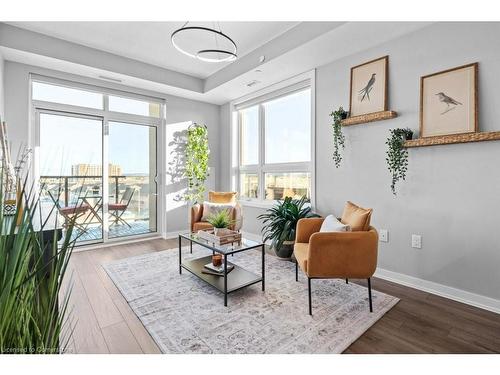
(197, 224)
(330, 255)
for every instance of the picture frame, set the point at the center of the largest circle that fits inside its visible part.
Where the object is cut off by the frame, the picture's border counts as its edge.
(369, 87)
(449, 102)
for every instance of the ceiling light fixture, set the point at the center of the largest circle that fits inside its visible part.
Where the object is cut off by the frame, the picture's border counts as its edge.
(222, 48)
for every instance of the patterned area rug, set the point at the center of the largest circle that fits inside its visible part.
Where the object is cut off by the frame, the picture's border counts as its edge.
(185, 315)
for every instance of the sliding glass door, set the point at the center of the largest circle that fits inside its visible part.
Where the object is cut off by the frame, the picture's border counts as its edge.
(102, 177)
(131, 179)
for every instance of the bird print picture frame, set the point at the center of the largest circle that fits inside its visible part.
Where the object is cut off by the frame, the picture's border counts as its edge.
(448, 102)
(368, 92)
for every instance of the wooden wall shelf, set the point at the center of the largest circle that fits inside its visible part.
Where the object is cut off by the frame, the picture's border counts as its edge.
(371, 117)
(454, 138)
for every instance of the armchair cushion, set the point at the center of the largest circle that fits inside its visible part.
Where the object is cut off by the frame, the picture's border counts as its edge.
(358, 218)
(301, 252)
(343, 254)
(222, 196)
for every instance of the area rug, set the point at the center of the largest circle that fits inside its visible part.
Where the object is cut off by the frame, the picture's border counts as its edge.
(183, 314)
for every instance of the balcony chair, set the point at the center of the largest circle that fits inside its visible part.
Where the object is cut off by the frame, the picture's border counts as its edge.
(71, 213)
(116, 210)
(343, 255)
(229, 198)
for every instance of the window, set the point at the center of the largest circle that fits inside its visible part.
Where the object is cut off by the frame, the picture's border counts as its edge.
(274, 146)
(134, 106)
(66, 95)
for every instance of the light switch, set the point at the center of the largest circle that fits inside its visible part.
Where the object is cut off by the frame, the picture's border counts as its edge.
(416, 241)
(384, 235)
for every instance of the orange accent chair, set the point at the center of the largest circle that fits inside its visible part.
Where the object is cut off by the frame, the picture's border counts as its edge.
(216, 197)
(343, 255)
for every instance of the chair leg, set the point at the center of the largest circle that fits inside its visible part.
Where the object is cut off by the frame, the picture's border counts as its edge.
(370, 294)
(296, 270)
(309, 290)
(347, 281)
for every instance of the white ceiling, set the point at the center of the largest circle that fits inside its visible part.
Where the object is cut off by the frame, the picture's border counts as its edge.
(149, 42)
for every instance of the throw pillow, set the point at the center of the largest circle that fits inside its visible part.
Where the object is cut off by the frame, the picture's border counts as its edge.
(358, 218)
(210, 209)
(332, 224)
(222, 197)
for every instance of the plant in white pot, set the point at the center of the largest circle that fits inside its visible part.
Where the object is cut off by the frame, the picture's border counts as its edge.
(280, 223)
(220, 220)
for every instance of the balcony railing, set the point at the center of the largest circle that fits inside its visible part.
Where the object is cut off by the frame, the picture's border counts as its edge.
(71, 190)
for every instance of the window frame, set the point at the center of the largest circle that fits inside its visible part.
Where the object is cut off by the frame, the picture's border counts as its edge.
(302, 82)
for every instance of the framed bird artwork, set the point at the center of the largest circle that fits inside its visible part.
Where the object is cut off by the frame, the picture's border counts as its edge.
(448, 102)
(368, 93)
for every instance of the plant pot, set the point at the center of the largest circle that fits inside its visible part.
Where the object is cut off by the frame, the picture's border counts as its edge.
(409, 136)
(344, 115)
(286, 250)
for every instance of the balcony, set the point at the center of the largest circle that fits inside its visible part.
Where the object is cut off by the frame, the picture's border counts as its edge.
(132, 204)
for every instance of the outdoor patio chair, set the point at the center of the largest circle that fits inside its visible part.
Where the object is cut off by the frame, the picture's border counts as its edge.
(71, 213)
(116, 210)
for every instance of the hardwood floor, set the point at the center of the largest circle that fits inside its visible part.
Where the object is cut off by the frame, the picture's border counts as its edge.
(419, 323)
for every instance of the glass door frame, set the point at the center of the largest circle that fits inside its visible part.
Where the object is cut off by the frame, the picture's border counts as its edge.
(38, 106)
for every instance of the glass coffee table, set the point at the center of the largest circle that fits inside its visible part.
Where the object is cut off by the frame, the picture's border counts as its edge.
(237, 278)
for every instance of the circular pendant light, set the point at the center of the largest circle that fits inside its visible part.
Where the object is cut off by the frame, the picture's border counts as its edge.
(204, 43)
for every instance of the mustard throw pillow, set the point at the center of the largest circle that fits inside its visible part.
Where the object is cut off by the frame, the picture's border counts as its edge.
(222, 197)
(358, 218)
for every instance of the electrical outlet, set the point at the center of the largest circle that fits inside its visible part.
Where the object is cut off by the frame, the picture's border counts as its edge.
(383, 235)
(416, 241)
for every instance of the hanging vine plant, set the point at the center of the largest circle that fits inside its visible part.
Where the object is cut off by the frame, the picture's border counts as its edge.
(196, 168)
(338, 136)
(397, 155)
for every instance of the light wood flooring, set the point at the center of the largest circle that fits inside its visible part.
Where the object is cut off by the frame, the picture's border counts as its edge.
(419, 323)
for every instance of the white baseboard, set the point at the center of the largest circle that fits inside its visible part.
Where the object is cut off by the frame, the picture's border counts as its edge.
(459, 295)
(169, 235)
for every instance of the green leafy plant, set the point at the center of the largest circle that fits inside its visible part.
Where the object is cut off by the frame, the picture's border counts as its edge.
(34, 293)
(220, 219)
(280, 221)
(338, 136)
(397, 155)
(197, 157)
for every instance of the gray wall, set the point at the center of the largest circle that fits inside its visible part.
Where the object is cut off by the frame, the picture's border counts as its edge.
(451, 194)
(178, 110)
(2, 91)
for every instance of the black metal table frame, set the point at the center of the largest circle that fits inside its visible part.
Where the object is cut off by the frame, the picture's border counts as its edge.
(216, 250)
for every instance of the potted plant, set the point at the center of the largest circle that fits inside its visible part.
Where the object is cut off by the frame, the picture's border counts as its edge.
(220, 220)
(397, 155)
(280, 223)
(196, 163)
(338, 136)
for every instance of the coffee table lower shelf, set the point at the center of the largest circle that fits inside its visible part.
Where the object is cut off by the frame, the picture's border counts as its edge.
(237, 279)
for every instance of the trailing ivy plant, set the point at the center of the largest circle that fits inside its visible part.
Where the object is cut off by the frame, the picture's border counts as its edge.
(338, 136)
(397, 155)
(196, 168)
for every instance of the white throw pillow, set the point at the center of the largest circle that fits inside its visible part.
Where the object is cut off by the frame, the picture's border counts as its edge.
(210, 208)
(332, 224)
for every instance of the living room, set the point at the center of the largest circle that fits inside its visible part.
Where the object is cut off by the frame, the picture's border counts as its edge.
(291, 185)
